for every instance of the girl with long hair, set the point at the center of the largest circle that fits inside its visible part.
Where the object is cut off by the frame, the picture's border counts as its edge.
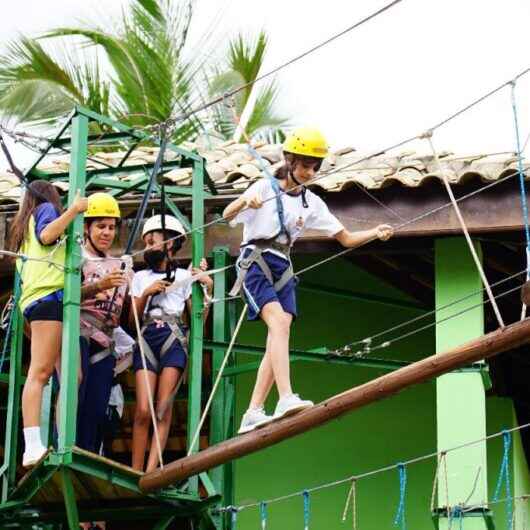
(37, 232)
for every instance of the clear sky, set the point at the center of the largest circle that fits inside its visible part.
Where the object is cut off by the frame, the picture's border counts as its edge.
(386, 81)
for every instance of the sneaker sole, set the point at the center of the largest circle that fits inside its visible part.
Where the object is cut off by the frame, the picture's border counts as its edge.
(292, 411)
(251, 428)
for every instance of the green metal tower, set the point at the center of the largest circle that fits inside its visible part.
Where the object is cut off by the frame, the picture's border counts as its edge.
(69, 484)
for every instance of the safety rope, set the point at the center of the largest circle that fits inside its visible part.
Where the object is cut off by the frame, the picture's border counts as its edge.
(399, 519)
(370, 349)
(370, 338)
(233, 92)
(428, 136)
(263, 515)
(504, 477)
(522, 187)
(146, 379)
(385, 469)
(307, 509)
(351, 498)
(217, 380)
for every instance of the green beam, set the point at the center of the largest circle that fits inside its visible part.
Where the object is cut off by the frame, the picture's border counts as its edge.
(134, 133)
(70, 503)
(218, 417)
(72, 293)
(196, 335)
(170, 205)
(317, 354)
(460, 396)
(355, 296)
(13, 404)
(32, 172)
(94, 139)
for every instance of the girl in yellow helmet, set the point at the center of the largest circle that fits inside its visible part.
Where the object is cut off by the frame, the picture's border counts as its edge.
(103, 294)
(36, 232)
(275, 211)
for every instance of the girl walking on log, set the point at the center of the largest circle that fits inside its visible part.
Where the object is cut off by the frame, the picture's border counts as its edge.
(274, 212)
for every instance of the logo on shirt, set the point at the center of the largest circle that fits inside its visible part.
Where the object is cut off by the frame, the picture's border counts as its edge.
(300, 222)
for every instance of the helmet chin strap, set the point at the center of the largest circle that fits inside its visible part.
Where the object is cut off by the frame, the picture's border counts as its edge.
(94, 248)
(304, 200)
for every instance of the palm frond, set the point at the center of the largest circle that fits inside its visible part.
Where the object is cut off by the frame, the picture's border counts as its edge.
(263, 115)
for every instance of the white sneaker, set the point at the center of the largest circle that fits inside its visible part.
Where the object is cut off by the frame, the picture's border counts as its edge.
(31, 457)
(291, 405)
(252, 419)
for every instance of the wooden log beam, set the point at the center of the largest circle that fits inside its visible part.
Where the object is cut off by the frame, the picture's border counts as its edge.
(486, 346)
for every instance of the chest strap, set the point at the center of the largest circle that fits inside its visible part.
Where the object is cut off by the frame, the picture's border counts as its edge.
(256, 256)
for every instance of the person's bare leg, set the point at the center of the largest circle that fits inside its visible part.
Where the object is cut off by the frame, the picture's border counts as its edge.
(264, 379)
(278, 323)
(45, 350)
(166, 384)
(142, 418)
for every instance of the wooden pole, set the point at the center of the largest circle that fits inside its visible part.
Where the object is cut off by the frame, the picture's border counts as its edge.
(486, 346)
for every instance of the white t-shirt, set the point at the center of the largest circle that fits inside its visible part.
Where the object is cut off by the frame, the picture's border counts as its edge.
(264, 223)
(172, 302)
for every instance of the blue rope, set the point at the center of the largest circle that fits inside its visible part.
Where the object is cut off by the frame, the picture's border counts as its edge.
(306, 510)
(16, 297)
(504, 476)
(263, 513)
(276, 189)
(457, 513)
(520, 170)
(399, 519)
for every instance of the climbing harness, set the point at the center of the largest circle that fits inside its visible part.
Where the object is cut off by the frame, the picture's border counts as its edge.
(174, 322)
(256, 256)
(146, 381)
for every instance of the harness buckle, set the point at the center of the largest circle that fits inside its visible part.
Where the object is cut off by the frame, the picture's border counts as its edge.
(246, 263)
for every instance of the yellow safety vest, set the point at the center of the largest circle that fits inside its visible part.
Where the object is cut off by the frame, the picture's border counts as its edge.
(39, 278)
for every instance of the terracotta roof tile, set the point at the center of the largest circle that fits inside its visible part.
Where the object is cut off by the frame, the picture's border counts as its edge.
(233, 167)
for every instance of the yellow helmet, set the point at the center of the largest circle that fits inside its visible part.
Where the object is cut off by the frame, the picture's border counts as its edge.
(306, 141)
(102, 205)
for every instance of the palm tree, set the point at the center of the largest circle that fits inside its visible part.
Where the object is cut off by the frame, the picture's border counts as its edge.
(150, 79)
(244, 65)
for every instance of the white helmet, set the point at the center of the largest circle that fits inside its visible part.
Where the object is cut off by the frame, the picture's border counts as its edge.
(155, 223)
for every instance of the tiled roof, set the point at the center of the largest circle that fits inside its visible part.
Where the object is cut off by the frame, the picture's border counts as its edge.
(232, 168)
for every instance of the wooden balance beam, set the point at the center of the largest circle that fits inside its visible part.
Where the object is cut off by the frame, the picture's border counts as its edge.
(511, 336)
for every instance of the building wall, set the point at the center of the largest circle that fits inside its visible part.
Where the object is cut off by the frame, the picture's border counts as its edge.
(399, 428)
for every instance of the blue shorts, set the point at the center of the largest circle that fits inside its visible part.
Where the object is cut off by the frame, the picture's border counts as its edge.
(259, 291)
(155, 336)
(49, 308)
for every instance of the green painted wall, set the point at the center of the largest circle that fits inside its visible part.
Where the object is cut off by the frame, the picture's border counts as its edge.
(460, 397)
(384, 433)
